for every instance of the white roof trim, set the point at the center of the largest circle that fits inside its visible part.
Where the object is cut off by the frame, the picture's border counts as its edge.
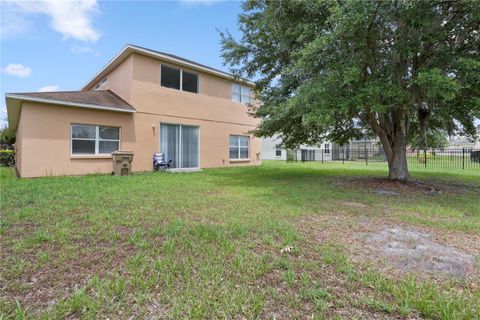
(104, 68)
(66, 103)
(168, 59)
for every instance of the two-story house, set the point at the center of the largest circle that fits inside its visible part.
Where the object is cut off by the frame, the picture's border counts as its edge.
(143, 101)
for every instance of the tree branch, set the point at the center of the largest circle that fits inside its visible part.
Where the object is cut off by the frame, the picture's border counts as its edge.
(381, 134)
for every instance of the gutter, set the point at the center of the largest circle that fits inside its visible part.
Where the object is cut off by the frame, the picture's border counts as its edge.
(147, 52)
(66, 103)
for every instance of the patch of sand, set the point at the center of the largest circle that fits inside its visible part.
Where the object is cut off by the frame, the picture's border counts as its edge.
(411, 250)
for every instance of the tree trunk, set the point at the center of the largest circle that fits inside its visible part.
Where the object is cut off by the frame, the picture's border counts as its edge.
(394, 145)
(397, 167)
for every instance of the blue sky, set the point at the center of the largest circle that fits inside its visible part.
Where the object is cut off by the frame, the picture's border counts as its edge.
(60, 45)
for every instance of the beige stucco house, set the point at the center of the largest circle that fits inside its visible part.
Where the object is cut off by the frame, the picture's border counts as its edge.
(143, 101)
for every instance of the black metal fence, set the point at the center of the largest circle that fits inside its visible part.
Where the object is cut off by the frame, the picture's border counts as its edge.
(466, 158)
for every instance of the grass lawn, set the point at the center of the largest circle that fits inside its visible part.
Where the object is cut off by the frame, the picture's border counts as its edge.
(279, 241)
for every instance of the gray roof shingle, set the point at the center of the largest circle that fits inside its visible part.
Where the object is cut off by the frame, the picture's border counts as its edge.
(100, 98)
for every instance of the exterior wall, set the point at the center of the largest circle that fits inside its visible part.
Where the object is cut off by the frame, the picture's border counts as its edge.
(46, 143)
(45, 146)
(119, 80)
(269, 149)
(359, 149)
(217, 118)
(18, 145)
(151, 98)
(322, 151)
(213, 136)
(45, 140)
(147, 69)
(315, 153)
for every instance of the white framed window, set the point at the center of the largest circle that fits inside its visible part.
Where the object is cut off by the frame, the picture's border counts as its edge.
(240, 93)
(239, 147)
(94, 140)
(236, 93)
(278, 151)
(245, 94)
(326, 148)
(100, 84)
(179, 79)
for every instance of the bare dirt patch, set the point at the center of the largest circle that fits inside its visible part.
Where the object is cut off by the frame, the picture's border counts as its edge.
(411, 250)
(354, 204)
(397, 247)
(387, 187)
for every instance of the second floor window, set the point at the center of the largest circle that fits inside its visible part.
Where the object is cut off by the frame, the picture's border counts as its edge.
(278, 150)
(240, 93)
(178, 79)
(326, 146)
(100, 84)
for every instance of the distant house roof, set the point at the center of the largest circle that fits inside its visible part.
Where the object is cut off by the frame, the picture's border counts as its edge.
(129, 49)
(98, 100)
(461, 140)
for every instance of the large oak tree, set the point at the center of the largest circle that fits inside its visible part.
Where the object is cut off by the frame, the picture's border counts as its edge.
(330, 69)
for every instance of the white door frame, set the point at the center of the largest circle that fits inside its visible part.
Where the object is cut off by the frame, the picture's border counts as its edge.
(179, 142)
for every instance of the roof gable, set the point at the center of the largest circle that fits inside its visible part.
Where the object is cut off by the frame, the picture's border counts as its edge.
(129, 49)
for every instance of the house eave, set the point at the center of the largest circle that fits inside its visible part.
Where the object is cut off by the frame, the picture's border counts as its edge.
(129, 49)
(14, 103)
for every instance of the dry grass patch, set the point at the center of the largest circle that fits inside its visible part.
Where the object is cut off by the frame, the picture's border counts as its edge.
(284, 241)
(383, 186)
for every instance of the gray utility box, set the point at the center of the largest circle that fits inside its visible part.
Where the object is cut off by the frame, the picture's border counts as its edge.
(122, 162)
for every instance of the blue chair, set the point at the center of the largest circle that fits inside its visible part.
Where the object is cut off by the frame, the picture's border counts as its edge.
(159, 162)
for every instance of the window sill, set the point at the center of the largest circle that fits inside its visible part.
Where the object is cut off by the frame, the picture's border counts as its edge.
(179, 90)
(242, 103)
(239, 160)
(93, 156)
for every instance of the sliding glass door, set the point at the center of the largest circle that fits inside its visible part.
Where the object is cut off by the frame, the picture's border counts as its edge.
(189, 146)
(180, 144)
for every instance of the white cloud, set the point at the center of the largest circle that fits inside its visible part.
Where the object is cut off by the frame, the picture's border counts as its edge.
(48, 88)
(73, 19)
(12, 20)
(78, 49)
(17, 70)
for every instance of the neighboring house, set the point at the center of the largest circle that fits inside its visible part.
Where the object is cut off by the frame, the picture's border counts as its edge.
(143, 101)
(272, 150)
(356, 149)
(462, 143)
(361, 148)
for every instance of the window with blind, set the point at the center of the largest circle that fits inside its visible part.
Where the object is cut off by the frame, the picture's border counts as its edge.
(240, 93)
(239, 147)
(94, 140)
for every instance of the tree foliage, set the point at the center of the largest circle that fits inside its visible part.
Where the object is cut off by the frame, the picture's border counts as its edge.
(7, 138)
(436, 139)
(326, 70)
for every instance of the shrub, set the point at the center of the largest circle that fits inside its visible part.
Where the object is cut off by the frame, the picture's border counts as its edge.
(7, 138)
(475, 156)
(7, 158)
(422, 157)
